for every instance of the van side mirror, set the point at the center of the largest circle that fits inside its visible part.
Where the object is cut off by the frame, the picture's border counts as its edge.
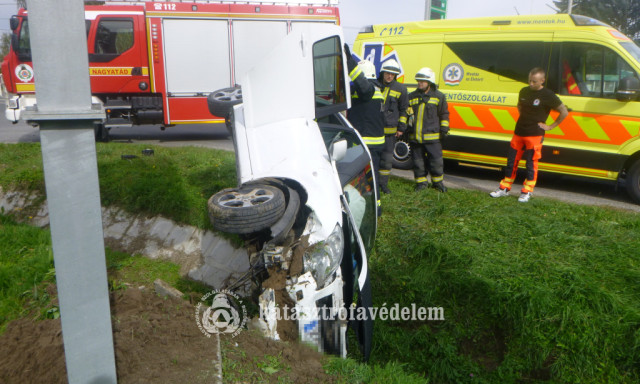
(338, 150)
(628, 89)
(14, 22)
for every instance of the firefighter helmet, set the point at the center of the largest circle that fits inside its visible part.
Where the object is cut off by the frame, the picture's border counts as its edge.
(391, 66)
(426, 74)
(368, 69)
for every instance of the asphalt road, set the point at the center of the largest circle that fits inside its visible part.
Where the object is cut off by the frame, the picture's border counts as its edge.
(569, 189)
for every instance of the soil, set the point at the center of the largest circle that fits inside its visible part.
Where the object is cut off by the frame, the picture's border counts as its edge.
(157, 340)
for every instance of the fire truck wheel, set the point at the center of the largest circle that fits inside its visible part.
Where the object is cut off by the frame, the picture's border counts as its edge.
(632, 181)
(102, 133)
(248, 209)
(402, 155)
(221, 102)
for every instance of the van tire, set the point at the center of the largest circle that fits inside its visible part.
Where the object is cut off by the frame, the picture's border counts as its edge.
(402, 155)
(632, 181)
(221, 102)
(248, 209)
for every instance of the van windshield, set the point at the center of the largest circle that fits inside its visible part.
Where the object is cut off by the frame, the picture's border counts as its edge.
(632, 48)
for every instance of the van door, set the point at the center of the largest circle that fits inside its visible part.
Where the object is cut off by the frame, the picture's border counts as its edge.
(481, 77)
(586, 76)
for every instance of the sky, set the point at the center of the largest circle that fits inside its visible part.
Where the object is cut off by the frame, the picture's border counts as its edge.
(355, 14)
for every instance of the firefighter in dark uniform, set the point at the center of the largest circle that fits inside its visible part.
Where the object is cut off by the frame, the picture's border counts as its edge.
(430, 127)
(396, 103)
(365, 113)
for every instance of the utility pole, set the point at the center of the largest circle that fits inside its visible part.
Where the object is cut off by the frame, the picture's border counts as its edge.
(570, 7)
(427, 9)
(65, 115)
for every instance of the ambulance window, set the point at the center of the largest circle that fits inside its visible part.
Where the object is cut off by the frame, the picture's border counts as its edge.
(592, 70)
(113, 37)
(509, 59)
(328, 74)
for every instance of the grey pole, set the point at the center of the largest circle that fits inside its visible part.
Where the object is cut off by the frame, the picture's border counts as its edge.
(427, 9)
(570, 7)
(65, 115)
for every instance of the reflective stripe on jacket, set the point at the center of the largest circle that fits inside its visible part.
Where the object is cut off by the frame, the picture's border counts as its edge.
(431, 115)
(396, 102)
(365, 113)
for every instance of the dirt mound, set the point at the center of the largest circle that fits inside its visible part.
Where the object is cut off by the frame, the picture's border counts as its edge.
(156, 341)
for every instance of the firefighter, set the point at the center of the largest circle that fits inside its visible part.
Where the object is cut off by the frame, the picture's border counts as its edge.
(395, 107)
(365, 113)
(430, 127)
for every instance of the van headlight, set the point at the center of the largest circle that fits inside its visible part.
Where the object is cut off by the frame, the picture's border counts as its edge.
(324, 257)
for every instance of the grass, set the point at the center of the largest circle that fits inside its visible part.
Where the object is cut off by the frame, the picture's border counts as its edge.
(174, 182)
(538, 292)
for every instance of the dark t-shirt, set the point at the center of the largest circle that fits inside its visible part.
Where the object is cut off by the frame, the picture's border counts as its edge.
(534, 108)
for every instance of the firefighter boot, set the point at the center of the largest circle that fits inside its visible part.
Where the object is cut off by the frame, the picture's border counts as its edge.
(384, 185)
(439, 185)
(421, 186)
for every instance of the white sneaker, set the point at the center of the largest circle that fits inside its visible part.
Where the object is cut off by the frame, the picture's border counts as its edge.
(499, 193)
(524, 197)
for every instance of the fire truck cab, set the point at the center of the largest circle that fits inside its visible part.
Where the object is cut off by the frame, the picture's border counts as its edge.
(156, 62)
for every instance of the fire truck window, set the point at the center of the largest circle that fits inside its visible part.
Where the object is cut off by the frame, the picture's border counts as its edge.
(113, 37)
(24, 42)
(509, 59)
(328, 74)
(592, 70)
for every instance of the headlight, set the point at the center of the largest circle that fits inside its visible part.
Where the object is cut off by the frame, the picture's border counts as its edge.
(324, 258)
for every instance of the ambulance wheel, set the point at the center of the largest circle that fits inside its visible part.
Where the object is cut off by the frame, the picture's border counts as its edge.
(633, 181)
(102, 133)
(221, 102)
(402, 155)
(248, 209)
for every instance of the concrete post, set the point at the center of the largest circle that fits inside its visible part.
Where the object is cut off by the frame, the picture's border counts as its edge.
(65, 115)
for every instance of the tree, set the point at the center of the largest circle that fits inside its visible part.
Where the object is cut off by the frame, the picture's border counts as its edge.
(623, 15)
(5, 44)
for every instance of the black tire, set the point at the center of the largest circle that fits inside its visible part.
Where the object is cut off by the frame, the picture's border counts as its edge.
(248, 209)
(102, 133)
(632, 181)
(221, 102)
(402, 155)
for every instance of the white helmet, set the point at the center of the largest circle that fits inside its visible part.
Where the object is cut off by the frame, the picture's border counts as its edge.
(368, 69)
(391, 66)
(426, 74)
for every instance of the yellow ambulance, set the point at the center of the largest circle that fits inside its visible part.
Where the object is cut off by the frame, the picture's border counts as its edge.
(481, 64)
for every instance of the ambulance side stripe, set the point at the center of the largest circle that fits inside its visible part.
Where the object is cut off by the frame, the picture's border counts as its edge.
(576, 129)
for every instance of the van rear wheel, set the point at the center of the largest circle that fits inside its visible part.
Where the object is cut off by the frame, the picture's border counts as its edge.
(633, 181)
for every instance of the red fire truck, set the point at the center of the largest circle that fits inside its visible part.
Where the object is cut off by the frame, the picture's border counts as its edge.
(155, 62)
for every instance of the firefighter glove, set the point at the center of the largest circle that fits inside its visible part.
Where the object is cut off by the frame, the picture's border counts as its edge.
(351, 62)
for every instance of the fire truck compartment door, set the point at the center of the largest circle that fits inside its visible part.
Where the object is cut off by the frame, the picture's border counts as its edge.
(196, 53)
